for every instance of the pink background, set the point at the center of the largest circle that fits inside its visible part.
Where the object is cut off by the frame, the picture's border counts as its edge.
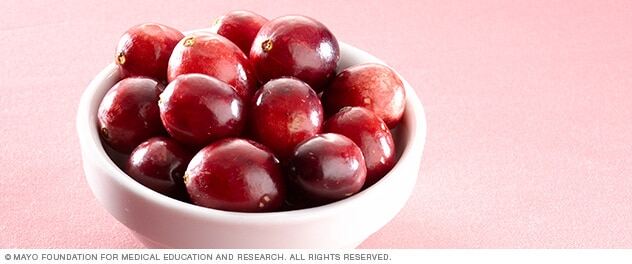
(529, 107)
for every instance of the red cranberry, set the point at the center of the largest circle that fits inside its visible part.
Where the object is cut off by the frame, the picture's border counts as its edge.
(235, 175)
(216, 56)
(129, 115)
(159, 163)
(328, 167)
(295, 46)
(370, 133)
(240, 27)
(144, 50)
(283, 113)
(373, 86)
(197, 109)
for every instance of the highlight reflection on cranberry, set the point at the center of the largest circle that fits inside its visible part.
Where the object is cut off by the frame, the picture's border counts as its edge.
(235, 175)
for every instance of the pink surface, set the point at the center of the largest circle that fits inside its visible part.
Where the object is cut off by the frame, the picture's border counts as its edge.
(529, 108)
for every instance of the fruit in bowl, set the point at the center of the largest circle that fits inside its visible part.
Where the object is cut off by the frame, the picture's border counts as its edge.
(295, 46)
(283, 113)
(236, 175)
(262, 168)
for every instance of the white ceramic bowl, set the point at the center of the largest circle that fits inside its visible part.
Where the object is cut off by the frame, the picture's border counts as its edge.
(159, 221)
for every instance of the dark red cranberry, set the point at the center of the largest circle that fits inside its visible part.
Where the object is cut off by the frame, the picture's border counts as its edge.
(235, 175)
(240, 27)
(119, 158)
(129, 115)
(372, 86)
(370, 133)
(216, 56)
(296, 199)
(197, 109)
(283, 113)
(328, 167)
(144, 50)
(295, 46)
(159, 163)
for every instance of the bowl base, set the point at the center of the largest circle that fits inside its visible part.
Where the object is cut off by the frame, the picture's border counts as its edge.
(151, 244)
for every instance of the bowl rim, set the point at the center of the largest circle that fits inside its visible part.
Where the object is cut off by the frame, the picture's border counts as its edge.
(90, 143)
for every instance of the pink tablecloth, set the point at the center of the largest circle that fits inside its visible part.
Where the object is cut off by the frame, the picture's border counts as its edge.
(529, 107)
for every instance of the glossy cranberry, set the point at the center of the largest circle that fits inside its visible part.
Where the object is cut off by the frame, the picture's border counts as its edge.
(197, 109)
(328, 167)
(370, 133)
(240, 27)
(283, 113)
(372, 86)
(295, 46)
(216, 56)
(144, 50)
(235, 175)
(129, 115)
(159, 164)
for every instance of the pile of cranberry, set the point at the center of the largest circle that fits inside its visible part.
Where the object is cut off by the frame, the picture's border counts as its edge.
(250, 115)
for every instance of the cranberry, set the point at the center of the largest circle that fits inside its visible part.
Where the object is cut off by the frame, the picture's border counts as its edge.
(197, 109)
(144, 50)
(283, 113)
(296, 199)
(373, 86)
(235, 175)
(159, 163)
(240, 27)
(328, 167)
(119, 158)
(295, 46)
(370, 133)
(216, 56)
(129, 115)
